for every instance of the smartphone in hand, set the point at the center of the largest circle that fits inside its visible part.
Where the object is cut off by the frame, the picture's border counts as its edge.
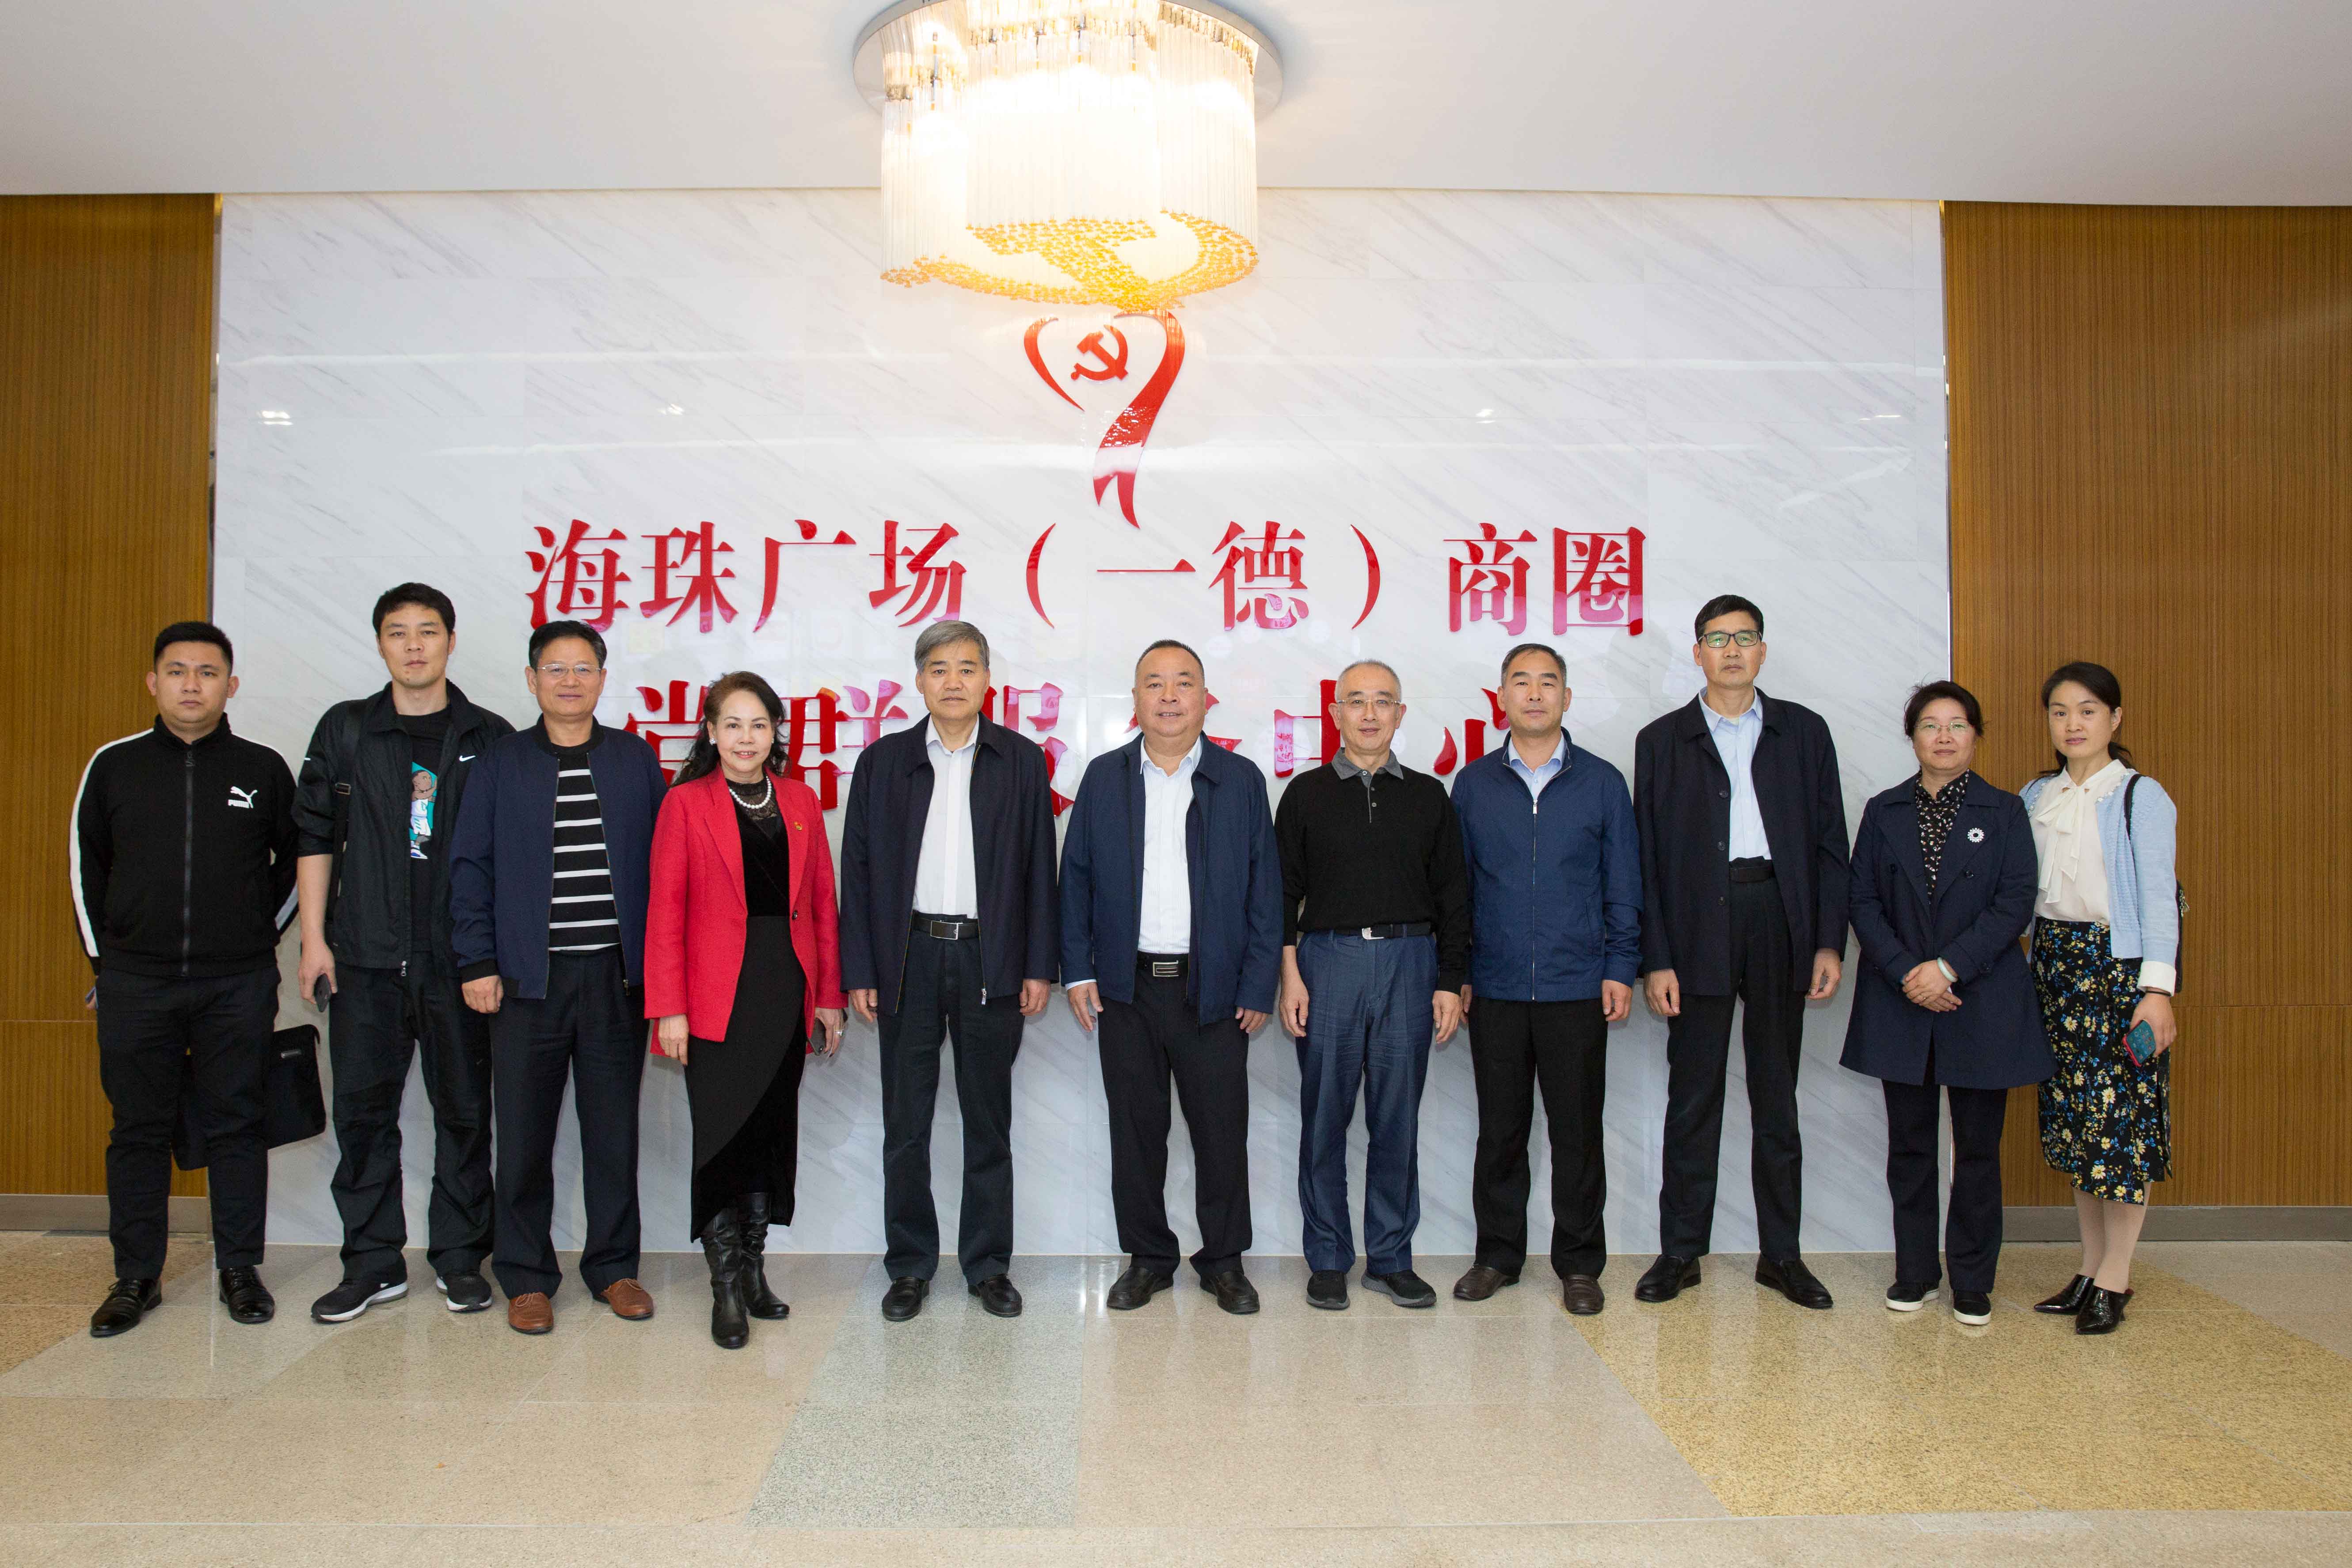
(321, 989)
(2140, 1044)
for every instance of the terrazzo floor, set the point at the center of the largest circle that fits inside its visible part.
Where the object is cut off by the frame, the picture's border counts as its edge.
(1728, 1426)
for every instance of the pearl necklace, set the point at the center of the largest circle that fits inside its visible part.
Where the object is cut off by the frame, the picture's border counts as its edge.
(766, 798)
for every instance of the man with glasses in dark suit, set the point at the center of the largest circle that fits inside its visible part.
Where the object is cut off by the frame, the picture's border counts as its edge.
(1743, 835)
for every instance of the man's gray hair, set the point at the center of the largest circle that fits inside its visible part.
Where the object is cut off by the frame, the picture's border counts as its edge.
(940, 633)
(1396, 682)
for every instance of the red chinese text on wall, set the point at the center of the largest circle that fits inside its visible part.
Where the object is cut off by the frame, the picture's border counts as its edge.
(1595, 579)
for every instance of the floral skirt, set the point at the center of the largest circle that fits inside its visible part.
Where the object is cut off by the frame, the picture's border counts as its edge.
(2106, 1123)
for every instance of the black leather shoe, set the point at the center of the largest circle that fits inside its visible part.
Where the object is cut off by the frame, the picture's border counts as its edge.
(1668, 1278)
(1481, 1282)
(1405, 1287)
(2103, 1311)
(2069, 1302)
(1328, 1289)
(1134, 1288)
(249, 1301)
(997, 1297)
(1973, 1308)
(1233, 1291)
(903, 1298)
(1581, 1294)
(1793, 1280)
(126, 1302)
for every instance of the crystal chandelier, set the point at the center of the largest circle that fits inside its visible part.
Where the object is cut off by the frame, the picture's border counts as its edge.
(1072, 152)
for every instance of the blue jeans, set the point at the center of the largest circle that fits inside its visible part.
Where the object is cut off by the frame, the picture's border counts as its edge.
(1369, 1017)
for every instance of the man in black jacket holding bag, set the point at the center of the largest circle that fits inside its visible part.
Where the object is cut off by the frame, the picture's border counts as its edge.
(1742, 824)
(380, 790)
(949, 924)
(183, 876)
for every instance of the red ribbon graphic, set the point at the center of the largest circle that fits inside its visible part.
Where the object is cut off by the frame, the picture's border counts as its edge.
(1121, 452)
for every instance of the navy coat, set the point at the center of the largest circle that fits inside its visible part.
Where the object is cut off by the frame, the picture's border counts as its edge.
(1013, 855)
(1682, 805)
(1556, 885)
(1235, 867)
(502, 858)
(1982, 904)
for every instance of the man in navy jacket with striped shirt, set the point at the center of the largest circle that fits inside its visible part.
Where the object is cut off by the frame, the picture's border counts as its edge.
(1556, 912)
(550, 875)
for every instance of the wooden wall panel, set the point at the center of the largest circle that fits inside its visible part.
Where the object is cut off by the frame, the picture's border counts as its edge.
(2151, 467)
(106, 313)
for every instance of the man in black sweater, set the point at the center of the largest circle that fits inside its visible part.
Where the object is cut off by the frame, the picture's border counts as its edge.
(1376, 949)
(183, 877)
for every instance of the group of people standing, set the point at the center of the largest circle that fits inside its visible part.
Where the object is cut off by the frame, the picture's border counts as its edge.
(525, 908)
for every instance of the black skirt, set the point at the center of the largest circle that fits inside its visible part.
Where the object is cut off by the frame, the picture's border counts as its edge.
(744, 1091)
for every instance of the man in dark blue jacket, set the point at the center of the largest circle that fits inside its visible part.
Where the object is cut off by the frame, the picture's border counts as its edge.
(1172, 933)
(947, 924)
(548, 877)
(1556, 904)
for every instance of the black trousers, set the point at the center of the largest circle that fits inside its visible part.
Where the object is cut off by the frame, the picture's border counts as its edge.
(147, 1028)
(1562, 1047)
(1145, 1043)
(378, 1021)
(1972, 1225)
(590, 1028)
(1698, 1048)
(941, 996)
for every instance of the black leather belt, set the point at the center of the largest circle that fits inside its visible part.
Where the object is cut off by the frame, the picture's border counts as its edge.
(959, 929)
(1386, 932)
(1759, 869)
(1162, 965)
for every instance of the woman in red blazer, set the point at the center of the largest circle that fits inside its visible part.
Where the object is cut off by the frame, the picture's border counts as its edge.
(742, 971)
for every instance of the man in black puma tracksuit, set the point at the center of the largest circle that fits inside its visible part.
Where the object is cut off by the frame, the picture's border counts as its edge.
(183, 877)
(380, 789)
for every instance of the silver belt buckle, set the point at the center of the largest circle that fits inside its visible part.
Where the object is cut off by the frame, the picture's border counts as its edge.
(1165, 968)
(1370, 934)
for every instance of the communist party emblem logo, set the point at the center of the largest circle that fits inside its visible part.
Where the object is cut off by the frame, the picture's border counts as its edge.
(1102, 355)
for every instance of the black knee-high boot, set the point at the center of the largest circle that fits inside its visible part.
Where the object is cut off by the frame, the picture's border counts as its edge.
(722, 1249)
(757, 1300)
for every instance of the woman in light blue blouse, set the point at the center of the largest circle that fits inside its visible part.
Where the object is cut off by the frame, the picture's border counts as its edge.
(2107, 949)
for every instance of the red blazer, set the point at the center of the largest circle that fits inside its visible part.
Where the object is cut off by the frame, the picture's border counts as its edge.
(695, 921)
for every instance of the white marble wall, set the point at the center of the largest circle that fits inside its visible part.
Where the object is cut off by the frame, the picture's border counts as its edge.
(410, 384)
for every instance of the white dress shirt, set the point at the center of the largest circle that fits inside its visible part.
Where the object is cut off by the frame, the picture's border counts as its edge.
(1165, 921)
(1735, 742)
(1536, 777)
(946, 880)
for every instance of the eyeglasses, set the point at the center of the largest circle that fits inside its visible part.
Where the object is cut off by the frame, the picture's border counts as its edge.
(1958, 729)
(1382, 705)
(558, 671)
(1719, 639)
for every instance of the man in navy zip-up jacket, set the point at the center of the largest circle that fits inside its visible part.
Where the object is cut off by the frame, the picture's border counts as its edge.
(1172, 934)
(550, 876)
(1556, 909)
